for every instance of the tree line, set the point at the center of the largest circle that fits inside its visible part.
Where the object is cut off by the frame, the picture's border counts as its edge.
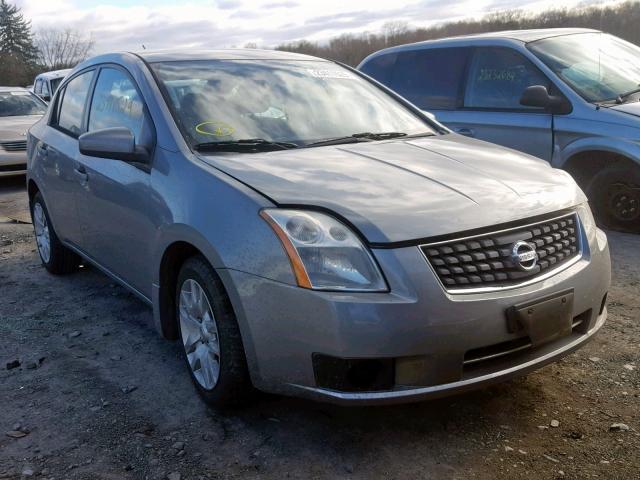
(24, 54)
(622, 20)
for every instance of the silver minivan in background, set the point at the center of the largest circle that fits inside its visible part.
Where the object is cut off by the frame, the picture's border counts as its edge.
(568, 96)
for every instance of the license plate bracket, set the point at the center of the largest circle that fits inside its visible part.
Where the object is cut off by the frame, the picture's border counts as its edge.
(543, 319)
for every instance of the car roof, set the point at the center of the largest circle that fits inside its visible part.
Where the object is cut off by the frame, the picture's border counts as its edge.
(222, 54)
(13, 89)
(526, 35)
(54, 73)
(522, 36)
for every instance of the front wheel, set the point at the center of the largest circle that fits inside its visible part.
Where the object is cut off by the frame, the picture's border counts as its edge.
(614, 194)
(56, 258)
(210, 336)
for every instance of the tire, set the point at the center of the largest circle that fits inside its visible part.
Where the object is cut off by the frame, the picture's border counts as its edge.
(56, 258)
(232, 387)
(614, 194)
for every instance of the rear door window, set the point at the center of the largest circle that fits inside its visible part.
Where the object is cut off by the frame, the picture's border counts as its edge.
(431, 79)
(498, 77)
(71, 112)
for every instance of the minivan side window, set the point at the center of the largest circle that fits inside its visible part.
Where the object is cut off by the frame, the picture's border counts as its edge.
(116, 103)
(431, 78)
(72, 103)
(38, 87)
(45, 88)
(380, 68)
(498, 77)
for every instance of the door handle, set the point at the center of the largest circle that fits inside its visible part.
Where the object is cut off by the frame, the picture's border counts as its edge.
(43, 148)
(467, 132)
(81, 173)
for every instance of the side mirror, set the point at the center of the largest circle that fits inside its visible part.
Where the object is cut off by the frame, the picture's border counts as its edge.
(117, 143)
(430, 115)
(46, 97)
(538, 96)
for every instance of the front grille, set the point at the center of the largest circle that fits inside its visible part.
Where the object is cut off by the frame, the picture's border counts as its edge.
(15, 146)
(485, 260)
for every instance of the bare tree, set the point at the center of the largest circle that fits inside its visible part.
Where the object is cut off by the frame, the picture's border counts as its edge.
(62, 48)
(620, 18)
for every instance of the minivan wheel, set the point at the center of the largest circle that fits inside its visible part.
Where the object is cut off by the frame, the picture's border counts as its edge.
(56, 258)
(614, 194)
(210, 336)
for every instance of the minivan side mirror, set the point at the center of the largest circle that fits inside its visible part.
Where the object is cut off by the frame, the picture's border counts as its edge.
(538, 96)
(46, 97)
(116, 143)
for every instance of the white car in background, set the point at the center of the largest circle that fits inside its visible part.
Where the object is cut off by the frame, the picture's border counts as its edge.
(19, 109)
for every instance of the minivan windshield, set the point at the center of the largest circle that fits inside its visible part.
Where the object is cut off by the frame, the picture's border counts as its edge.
(599, 67)
(292, 103)
(20, 102)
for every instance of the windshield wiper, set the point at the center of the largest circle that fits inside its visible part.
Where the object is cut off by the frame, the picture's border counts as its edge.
(623, 96)
(244, 145)
(357, 137)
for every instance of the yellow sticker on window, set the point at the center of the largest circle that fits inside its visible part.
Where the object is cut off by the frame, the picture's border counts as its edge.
(215, 128)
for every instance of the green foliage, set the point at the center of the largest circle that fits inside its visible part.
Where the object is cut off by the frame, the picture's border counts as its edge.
(18, 53)
(622, 20)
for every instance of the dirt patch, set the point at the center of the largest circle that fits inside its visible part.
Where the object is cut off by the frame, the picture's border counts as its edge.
(98, 395)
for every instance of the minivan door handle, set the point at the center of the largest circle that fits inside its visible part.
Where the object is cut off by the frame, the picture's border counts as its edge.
(81, 173)
(467, 132)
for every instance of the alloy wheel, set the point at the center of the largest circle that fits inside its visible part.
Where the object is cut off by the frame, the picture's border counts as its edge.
(41, 228)
(199, 334)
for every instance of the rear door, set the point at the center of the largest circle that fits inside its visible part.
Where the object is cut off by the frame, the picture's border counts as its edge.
(57, 150)
(115, 204)
(491, 110)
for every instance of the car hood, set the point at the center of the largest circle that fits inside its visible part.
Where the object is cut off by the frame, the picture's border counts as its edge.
(396, 191)
(15, 128)
(630, 108)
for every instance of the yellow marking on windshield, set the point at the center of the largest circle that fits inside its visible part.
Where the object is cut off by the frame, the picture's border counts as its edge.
(215, 128)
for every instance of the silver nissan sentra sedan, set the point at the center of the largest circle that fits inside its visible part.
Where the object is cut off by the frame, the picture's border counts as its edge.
(303, 230)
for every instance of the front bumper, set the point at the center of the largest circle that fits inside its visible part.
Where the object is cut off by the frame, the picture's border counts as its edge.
(13, 163)
(283, 326)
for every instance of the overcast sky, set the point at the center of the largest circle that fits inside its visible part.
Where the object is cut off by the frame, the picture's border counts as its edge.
(159, 24)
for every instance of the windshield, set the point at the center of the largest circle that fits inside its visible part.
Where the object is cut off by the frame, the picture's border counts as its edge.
(14, 104)
(599, 67)
(297, 102)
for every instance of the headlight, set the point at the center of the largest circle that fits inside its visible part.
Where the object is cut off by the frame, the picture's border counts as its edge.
(586, 217)
(324, 253)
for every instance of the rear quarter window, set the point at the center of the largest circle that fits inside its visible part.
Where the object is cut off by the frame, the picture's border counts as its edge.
(431, 79)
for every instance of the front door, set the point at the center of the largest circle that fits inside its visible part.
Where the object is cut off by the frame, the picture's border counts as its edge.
(491, 110)
(114, 206)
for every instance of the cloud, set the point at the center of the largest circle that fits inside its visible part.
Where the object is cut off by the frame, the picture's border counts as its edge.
(223, 23)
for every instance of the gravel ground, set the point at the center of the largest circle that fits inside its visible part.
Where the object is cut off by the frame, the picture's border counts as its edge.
(89, 391)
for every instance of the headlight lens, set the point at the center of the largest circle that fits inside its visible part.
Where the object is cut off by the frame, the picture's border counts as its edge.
(586, 217)
(324, 253)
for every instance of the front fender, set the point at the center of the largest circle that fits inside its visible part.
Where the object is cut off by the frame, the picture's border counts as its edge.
(618, 146)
